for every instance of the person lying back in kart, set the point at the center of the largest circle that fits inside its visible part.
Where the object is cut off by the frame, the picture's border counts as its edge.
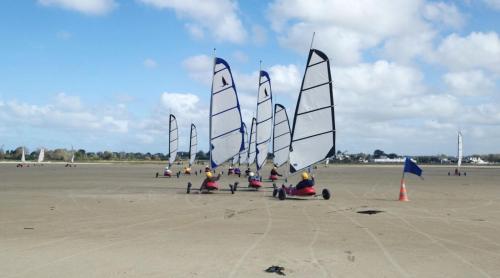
(305, 182)
(274, 172)
(209, 178)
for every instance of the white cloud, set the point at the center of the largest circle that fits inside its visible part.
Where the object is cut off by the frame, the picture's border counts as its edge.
(195, 31)
(199, 68)
(150, 63)
(68, 103)
(345, 29)
(469, 83)
(259, 35)
(66, 113)
(495, 4)
(218, 17)
(89, 7)
(476, 51)
(447, 14)
(240, 56)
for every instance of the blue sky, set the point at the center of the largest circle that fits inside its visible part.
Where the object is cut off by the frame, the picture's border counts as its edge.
(104, 74)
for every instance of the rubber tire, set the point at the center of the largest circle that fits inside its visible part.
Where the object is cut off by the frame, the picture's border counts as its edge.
(281, 194)
(326, 194)
(275, 192)
(189, 188)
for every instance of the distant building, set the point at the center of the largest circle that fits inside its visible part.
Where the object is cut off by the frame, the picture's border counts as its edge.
(385, 159)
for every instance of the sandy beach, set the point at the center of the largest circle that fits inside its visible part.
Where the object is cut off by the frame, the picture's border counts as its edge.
(121, 221)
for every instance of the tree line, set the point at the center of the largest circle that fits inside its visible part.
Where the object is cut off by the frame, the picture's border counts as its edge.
(340, 157)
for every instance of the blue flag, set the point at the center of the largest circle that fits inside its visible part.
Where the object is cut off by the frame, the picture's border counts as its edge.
(412, 167)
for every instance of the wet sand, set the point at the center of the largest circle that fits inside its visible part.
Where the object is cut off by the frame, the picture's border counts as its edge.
(120, 221)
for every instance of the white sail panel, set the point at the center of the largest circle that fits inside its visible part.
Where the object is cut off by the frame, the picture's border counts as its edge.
(264, 118)
(226, 132)
(193, 145)
(459, 155)
(313, 130)
(173, 141)
(251, 143)
(281, 136)
(23, 157)
(244, 153)
(41, 155)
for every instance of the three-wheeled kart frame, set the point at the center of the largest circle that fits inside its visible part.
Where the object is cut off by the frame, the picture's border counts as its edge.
(283, 192)
(209, 188)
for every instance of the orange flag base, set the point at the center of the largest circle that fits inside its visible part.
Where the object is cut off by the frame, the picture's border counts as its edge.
(403, 196)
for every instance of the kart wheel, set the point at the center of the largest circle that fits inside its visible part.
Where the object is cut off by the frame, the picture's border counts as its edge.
(326, 194)
(275, 192)
(157, 174)
(281, 194)
(189, 188)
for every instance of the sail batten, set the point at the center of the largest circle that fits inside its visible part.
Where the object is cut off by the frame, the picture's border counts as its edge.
(173, 135)
(264, 118)
(226, 127)
(281, 136)
(313, 129)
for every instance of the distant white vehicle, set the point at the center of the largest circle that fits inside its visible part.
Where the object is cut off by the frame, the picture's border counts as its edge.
(478, 160)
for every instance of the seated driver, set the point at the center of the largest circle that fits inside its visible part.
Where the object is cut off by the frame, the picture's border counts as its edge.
(305, 182)
(252, 177)
(187, 170)
(274, 172)
(209, 178)
(167, 170)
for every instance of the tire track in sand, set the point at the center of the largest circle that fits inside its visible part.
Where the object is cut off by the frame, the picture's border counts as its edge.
(313, 241)
(256, 242)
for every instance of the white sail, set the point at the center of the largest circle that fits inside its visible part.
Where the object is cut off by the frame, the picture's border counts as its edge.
(313, 130)
(281, 136)
(244, 153)
(251, 143)
(23, 157)
(73, 158)
(226, 127)
(41, 155)
(173, 142)
(264, 118)
(235, 159)
(459, 155)
(193, 144)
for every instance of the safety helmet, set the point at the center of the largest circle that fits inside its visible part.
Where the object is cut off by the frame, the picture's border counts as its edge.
(251, 174)
(305, 176)
(274, 168)
(209, 174)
